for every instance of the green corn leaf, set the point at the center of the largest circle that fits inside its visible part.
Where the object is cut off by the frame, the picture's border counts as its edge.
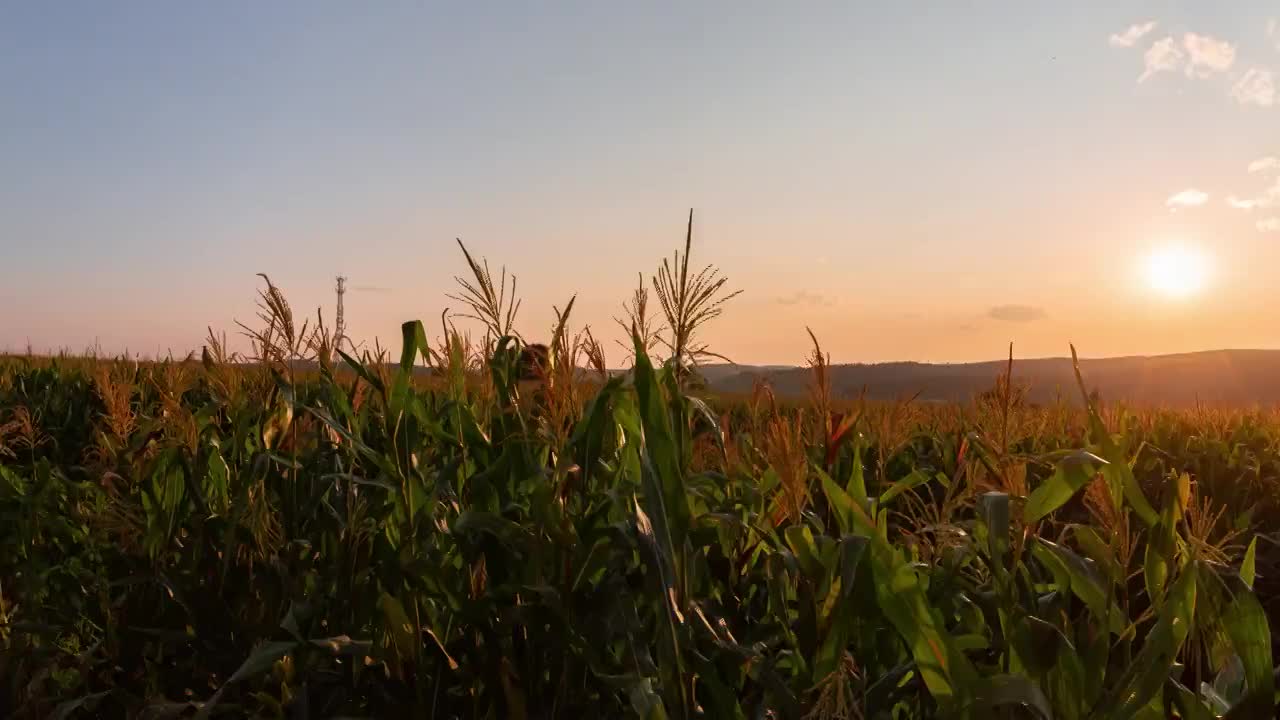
(1117, 470)
(1039, 645)
(261, 659)
(1097, 550)
(1248, 567)
(398, 626)
(645, 702)
(218, 483)
(1150, 668)
(665, 494)
(800, 540)
(1246, 626)
(1060, 669)
(948, 674)
(1188, 704)
(1080, 575)
(1012, 690)
(856, 485)
(363, 372)
(343, 645)
(414, 344)
(1158, 560)
(851, 516)
(591, 434)
(852, 548)
(668, 513)
(1069, 476)
(913, 480)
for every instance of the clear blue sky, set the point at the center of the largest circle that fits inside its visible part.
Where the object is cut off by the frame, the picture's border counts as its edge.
(893, 175)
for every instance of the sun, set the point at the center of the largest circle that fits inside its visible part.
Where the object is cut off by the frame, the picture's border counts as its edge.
(1177, 271)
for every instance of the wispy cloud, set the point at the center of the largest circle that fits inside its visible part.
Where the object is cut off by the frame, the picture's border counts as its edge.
(1199, 56)
(1256, 87)
(1162, 56)
(1271, 196)
(1130, 37)
(804, 297)
(1187, 198)
(1267, 169)
(1016, 313)
(1207, 55)
(1273, 32)
(1268, 198)
(1265, 164)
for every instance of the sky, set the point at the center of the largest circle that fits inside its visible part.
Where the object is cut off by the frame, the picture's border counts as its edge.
(913, 181)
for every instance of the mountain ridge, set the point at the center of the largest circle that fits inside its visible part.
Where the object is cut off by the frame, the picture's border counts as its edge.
(1228, 376)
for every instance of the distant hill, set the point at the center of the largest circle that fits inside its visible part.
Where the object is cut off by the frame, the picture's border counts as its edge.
(1217, 377)
(1238, 378)
(715, 374)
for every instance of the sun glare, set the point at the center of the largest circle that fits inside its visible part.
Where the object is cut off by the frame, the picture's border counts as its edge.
(1177, 271)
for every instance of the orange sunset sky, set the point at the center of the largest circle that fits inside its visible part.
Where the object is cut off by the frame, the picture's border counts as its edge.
(916, 181)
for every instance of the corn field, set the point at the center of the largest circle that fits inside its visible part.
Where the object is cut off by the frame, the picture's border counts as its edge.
(481, 531)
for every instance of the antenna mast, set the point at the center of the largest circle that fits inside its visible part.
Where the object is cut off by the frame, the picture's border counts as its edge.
(340, 324)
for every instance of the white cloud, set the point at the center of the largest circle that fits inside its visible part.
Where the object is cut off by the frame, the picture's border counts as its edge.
(1271, 196)
(1187, 198)
(1268, 198)
(1256, 87)
(1273, 32)
(1207, 55)
(1130, 37)
(1269, 225)
(1161, 56)
(1264, 164)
